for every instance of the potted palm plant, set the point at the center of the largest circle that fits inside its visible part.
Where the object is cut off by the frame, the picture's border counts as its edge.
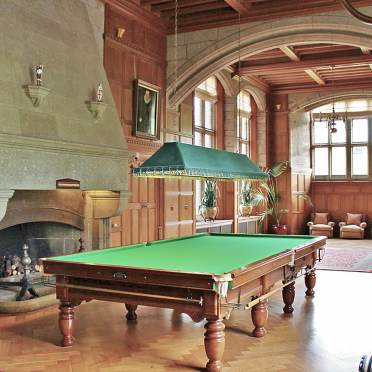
(268, 197)
(208, 207)
(247, 196)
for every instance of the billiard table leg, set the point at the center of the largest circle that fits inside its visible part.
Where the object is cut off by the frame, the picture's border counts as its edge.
(259, 318)
(214, 341)
(288, 294)
(310, 280)
(67, 323)
(131, 314)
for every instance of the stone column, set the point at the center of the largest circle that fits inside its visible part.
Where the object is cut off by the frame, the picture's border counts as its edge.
(231, 143)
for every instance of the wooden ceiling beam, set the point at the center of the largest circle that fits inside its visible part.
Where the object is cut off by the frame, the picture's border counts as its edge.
(240, 6)
(200, 23)
(290, 53)
(153, 2)
(181, 4)
(315, 76)
(203, 7)
(279, 68)
(227, 14)
(309, 88)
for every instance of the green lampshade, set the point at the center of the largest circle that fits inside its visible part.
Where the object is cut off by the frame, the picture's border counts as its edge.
(180, 160)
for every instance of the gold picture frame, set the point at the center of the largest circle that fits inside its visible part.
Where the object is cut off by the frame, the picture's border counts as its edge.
(146, 110)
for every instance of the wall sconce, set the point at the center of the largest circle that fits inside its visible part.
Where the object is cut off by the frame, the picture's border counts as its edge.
(37, 93)
(97, 107)
(278, 107)
(120, 32)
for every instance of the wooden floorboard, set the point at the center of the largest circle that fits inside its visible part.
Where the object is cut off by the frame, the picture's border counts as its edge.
(325, 334)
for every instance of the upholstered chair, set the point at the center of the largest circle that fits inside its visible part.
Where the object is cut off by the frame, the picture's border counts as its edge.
(320, 225)
(354, 226)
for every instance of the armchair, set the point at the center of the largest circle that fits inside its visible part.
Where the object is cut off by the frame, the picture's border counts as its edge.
(354, 226)
(320, 225)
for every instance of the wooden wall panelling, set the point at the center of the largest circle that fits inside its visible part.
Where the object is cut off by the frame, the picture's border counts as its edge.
(140, 54)
(341, 197)
(178, 208)
(171, 208)
(178, 195)
(301, 209)
(186, 207)
(278, 150)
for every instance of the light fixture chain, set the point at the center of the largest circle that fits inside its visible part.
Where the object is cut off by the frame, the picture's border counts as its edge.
(175, 47)
(239, 100)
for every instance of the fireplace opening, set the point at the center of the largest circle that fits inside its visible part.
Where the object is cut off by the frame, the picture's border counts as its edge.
(45, 239)
(42, 239)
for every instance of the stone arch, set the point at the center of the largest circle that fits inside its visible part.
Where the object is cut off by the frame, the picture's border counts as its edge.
(225, 79)
(308, 105)
(257, 94)
(336, 29)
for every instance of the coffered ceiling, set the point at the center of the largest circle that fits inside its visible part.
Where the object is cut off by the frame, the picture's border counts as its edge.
(202, 14)
(285, 69)
(311, 67)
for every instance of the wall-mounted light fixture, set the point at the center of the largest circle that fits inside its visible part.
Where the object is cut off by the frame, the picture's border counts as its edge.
(120, 32)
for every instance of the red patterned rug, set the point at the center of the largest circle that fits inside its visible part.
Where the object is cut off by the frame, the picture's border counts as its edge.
(347, 255)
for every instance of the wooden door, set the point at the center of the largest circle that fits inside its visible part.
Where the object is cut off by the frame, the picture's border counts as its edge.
(139, 221)
(178, 208)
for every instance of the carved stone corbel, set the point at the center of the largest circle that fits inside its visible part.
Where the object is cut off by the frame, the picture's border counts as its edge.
(36, 93)
(5, 195)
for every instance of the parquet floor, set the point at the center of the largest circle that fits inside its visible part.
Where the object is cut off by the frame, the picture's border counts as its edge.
(326, 334)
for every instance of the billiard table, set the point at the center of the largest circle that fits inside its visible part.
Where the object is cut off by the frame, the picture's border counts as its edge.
(205, 276)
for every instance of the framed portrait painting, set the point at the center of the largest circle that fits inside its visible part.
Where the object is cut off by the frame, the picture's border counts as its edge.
(146, 107)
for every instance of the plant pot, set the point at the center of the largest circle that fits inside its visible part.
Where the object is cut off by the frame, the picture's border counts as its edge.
(208, 213)
(245, 210)
(279, 229)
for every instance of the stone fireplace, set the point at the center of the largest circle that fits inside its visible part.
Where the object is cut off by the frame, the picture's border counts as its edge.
(48, 149)
(63, 169)
(50, 222)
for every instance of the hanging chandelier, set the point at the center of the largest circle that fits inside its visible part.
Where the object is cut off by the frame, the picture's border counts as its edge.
(332, 118)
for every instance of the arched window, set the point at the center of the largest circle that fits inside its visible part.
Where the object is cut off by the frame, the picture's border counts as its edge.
(344, 153)
(205, 98)
(243, 122)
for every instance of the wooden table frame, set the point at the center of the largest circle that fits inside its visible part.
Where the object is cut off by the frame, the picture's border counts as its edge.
(201, 296)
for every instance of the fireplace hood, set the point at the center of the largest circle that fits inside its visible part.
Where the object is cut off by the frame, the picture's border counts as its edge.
(60, 139)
